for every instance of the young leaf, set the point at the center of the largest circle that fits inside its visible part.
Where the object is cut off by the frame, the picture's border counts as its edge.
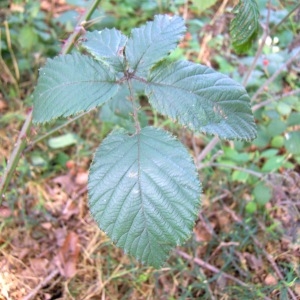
(107, 46)
(245, 25)
(202, 99)
(152, 42)
(144, 193)
(69, 84)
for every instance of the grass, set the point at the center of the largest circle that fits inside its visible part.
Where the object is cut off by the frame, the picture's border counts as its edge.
(50, 248)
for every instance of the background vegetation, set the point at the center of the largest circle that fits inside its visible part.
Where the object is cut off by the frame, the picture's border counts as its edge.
(246, 242)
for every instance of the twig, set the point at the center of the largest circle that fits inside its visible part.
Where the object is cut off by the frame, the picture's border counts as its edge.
(210, 267)
(264, 103)
(211, 231)
(44, 282)
(284, 19)
(274, 76)
(207, 149)
(15, 156)
(50, 132)
(260, 246)
(134, 107)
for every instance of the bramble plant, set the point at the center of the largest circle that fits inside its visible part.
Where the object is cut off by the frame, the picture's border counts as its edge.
(143, 187)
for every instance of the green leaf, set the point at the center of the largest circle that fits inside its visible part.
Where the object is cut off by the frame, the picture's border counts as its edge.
(273, 164)
(69, 84)
(262, 193)
(245, 25)
(152, 42)
(251, 207)
(144, 193)
(202, 99)
(292, 143)
(62, 141)
(27, 37)
(107, 46)
(203, 5)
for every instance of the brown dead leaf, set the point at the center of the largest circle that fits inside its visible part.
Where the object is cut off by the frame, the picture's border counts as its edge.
(270, 280)
(297, 288)
(60, 234)
(224, 221)
(5, 212)
(201, 234)
(70, 209)
(3, 105)
(46, 225)
(66, 183)
(39, 266)
(254, 263)
(81, 178)
(17, 8)
(68, 255)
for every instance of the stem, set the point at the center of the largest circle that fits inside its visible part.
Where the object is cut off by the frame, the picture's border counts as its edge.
(207, 149)
(21, 141)
(134, 107)
(77, 32)
(41, 138)
(210, 267)
(264, 103)
(15, 156)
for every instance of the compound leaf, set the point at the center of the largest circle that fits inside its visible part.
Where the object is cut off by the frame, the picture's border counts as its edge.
(69, 84)
(107, 46)
(144, 193)
(202, 99)
(153, 41)
(245, 25)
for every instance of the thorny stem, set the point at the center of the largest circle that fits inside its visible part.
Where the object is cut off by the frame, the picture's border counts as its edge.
(21, 141)
(134, 105)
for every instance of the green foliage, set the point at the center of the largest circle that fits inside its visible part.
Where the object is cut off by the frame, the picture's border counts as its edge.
(69, 84)
(201, 99)
(143, 187)
(203, 5)
(144, 192)
(245, 25)
(150, 43)
(262, 193)
(106, 46)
